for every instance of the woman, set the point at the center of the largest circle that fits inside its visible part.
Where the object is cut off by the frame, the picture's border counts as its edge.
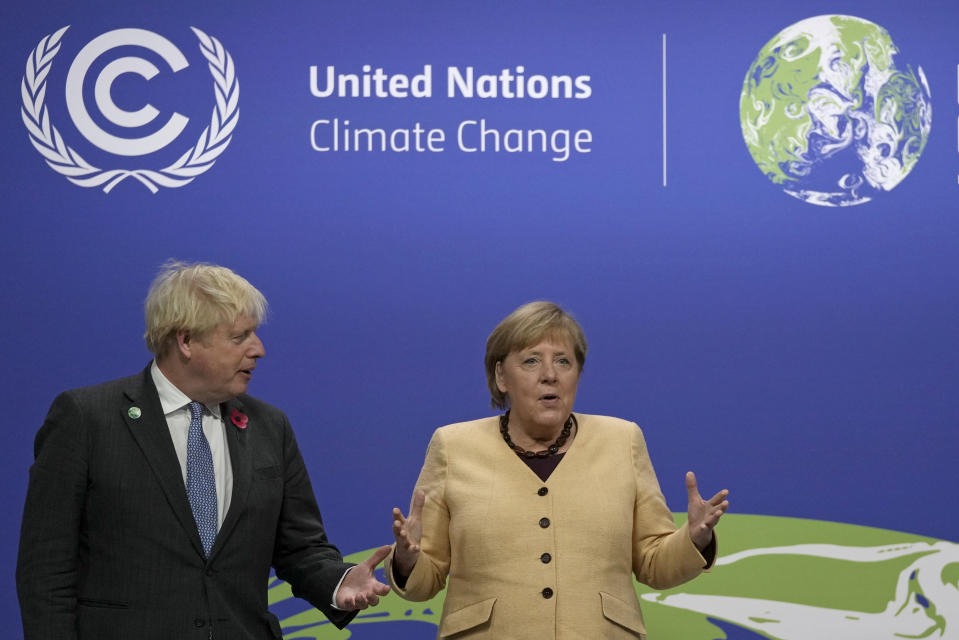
(541, 517)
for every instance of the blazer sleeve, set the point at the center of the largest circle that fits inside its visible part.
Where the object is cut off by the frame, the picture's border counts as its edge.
(429, 573)
(47, 561)
(302, 554)
(663, 556)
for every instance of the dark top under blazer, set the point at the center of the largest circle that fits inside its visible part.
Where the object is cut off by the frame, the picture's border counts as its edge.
(109, 548)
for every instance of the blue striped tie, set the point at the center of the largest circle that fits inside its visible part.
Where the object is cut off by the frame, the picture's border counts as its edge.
(200, 481)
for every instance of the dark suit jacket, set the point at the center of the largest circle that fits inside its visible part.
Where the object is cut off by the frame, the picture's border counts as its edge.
(109, 548)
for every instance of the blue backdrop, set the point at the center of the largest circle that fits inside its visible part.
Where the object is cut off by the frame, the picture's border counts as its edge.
(802, 356)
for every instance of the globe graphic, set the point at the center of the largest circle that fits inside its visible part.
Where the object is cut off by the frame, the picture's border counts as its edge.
(830, 113)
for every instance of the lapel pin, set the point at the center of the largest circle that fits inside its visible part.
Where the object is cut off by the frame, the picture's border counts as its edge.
(134, 412)
(239, 419)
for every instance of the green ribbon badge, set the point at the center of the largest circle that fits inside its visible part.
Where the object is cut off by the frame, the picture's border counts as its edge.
(134, 412)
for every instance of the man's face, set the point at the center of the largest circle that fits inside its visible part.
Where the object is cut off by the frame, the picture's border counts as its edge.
(221, 363)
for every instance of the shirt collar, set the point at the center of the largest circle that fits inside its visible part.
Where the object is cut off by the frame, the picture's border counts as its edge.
(171, 398)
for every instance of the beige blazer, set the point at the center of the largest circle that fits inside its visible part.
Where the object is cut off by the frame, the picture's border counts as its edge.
(528, 559)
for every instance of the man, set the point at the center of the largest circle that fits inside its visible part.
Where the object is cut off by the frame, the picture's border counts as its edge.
(158, 503)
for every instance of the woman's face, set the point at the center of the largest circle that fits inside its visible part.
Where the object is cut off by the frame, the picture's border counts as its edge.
(541, 383)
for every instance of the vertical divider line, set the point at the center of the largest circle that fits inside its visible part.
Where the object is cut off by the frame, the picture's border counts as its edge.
(664, 109)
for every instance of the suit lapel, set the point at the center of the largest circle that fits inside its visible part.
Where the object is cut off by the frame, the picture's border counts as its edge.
(150, 430)
(241, 459)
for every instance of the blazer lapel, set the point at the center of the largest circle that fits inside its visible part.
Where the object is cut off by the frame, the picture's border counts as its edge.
(241, 459)
(150, 430)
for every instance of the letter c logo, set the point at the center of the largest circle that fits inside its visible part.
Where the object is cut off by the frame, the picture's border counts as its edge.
(104, 82)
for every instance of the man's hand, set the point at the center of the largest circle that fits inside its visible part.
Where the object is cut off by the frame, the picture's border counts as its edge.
(703, 514)
(408, 532)
(360, 588)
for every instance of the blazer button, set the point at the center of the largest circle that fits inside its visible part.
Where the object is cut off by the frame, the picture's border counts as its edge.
(544, 522)
(542, 492)
(547, 593)
(545, 558)
(199, 622)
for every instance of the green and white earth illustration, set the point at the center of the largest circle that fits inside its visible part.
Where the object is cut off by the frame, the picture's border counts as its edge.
(775, 578)
(829, 111)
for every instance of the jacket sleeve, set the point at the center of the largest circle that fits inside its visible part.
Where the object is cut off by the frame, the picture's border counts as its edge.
(429, 574)
(47, 562)
(663, 556)
(302, 554)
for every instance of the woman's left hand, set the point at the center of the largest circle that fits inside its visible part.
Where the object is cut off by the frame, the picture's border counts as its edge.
(703, 514)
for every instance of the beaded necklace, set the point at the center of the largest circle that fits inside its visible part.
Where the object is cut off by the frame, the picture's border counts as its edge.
(551, 450)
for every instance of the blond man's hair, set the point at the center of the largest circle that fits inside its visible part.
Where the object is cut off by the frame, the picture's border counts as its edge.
(196, 297)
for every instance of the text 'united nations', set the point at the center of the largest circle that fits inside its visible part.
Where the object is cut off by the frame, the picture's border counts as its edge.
(513, 83)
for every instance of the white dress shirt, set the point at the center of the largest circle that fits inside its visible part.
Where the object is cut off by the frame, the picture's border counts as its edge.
(176, 409)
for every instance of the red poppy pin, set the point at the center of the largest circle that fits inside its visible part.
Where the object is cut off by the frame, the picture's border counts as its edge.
(238, 419)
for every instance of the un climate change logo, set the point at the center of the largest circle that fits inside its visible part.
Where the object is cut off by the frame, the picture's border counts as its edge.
(65, 160)
(829, 112)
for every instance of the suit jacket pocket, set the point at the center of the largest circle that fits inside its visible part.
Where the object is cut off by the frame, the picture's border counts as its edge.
(268, 472)
(102, 604)
(466, 618)
(624, 614)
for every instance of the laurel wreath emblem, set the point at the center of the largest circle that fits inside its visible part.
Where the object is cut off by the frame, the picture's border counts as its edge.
(66, 161)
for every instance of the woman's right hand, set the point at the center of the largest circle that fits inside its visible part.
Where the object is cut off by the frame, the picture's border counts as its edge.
(407, 531)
